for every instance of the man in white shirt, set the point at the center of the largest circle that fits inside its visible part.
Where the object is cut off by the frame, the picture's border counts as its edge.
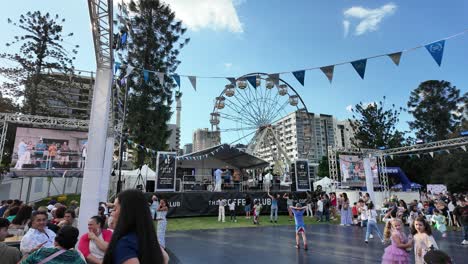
(221, 209)
(218, 180)
(38, 235)
(267, 181)
(22, 149)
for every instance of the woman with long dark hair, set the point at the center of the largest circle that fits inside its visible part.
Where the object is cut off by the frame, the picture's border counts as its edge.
(134, 239)
(22, 218)
(345, 211)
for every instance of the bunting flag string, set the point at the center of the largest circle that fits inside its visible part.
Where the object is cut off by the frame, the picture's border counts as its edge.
(431, 153)
(435, 49)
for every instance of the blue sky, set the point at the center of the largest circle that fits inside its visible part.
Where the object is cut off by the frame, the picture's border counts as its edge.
(232, 38)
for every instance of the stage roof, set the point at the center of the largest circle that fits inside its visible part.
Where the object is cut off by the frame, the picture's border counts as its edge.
(227, 154)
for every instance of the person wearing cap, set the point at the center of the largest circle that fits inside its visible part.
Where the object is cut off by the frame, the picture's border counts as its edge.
(298, 212)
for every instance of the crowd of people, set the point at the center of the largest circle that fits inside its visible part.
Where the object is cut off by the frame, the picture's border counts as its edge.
(122, 232)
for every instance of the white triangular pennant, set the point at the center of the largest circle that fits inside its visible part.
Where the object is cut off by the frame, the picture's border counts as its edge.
(417, 155)
(432, 154)
(161, 77)
(129, 70)
(463, 147)
(448, 151)
(391, 156)
(193, 81)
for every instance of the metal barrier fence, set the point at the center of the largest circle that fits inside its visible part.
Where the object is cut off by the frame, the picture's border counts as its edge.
(46, 160)
(32, 189)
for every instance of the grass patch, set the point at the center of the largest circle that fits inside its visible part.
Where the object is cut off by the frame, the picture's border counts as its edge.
(211, 222)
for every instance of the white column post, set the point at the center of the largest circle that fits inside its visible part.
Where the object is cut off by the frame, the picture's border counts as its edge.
(93, 172)
(105, 180)
(369, 179)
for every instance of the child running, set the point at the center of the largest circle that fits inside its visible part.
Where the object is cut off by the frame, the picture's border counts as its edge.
(423, 239)
(371, 216)
(397, 251)
(298, 212)
(439, 221)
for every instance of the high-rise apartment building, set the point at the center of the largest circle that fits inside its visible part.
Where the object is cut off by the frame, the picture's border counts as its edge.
(188, 148)
(302, 136)
(204, 138)
(344, 134)
(173, 141)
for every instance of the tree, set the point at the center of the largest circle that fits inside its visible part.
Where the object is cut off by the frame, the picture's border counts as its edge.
(41, 56)
(375, 127)
(437, 109)
(323, 170)
(7, 105)
(152, 38)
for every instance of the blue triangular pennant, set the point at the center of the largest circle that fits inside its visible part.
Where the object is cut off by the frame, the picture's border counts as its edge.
(123, 39)
(116, 67)
(360, 67)
(177, 79)
(436, 49)
(252, 80)
(300, 76)
(146, 75)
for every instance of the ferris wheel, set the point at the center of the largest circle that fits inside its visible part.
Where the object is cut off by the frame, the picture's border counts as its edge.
(269, 118)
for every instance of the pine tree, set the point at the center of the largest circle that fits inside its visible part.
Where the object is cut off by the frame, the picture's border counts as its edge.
(152, 43)
(41, 56)
(375, 126)
(438, 110)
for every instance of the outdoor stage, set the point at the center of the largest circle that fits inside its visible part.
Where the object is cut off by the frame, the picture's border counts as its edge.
(327, 244)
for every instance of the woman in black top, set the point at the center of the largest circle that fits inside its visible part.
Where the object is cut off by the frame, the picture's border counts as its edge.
(134, 239)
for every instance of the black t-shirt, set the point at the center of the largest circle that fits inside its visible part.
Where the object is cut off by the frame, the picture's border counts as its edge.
(462, 214)
(248, 201)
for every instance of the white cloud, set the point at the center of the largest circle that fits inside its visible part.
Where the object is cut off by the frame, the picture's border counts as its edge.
(346, 27)
(366, 105)
(369, 18)
(227, 65)
(349, 108)
(208, 14)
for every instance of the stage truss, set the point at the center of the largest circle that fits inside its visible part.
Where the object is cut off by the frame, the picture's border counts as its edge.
(381, 156)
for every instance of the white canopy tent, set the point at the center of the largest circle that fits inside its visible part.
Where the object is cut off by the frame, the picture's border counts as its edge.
(131, 176)
(326, 184)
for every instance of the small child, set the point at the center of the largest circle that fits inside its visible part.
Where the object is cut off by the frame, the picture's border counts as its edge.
(232, 210)
(372, 223)
(257, 211)
(319, 213)
(423, 239)
(221, 209)
(354, 210)
(439, 221)
(397, 251)
(413, 215)
(298, 212)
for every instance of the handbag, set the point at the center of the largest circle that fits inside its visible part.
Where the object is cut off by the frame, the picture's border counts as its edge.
(51, 257)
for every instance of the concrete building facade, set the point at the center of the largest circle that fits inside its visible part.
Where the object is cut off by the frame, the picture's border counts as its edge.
(204, 138)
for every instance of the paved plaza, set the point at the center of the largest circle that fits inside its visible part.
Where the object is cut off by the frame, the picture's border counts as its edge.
(327, 244)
